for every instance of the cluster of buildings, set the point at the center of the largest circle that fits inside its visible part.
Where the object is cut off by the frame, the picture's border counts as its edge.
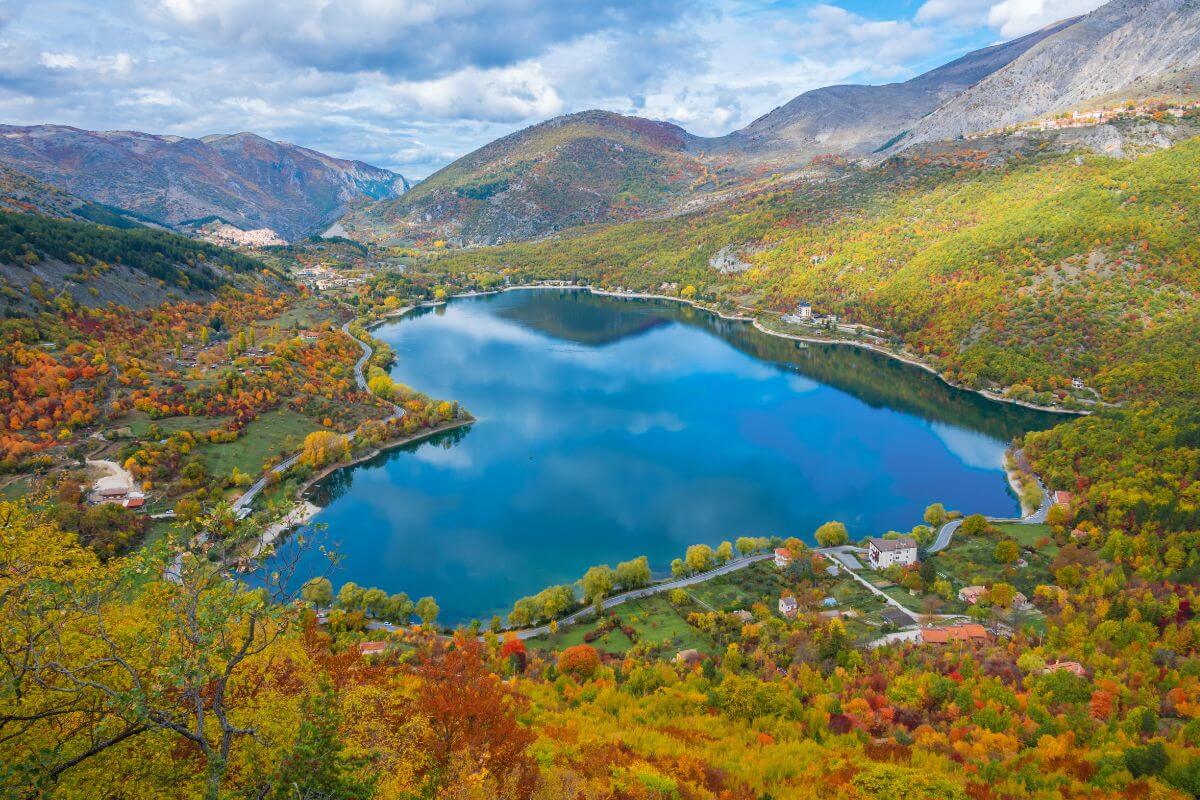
(1085, 119)
(804, 315)
(321, 278)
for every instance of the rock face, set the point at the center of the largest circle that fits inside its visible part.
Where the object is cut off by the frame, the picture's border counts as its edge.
(244, 179)
(856, 120)
(1116, 47)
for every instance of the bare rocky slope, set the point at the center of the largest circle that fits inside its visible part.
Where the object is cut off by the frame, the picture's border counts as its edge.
(1123, 45)
(852, 120)
(244, 179)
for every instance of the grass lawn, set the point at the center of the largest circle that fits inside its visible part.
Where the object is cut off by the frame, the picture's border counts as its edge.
(654, 619)
(1028, 535)
(971, 562)
(15, 489)
(276, 433)
(761, 581)
(140, 423)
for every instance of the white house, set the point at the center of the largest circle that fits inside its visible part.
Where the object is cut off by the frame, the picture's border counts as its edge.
(783, 557)
(884, 553)
(788, 606)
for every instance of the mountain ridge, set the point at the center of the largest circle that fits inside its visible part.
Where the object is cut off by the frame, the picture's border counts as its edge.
(249, 180)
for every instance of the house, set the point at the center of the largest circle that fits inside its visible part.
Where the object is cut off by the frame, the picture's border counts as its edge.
(1074, 667)
(690, 658)
(743, 615)
(884, 553)
(788, 606)
(804, 311)
(783, 557)
(829, 602)
(1062, 498)
(897, 617)
(972, 594)
(134, 502)
(1076, 383)
(112, 492)
(970, 632)
(372, 648)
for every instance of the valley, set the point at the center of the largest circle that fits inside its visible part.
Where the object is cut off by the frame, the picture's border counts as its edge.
(849, 453)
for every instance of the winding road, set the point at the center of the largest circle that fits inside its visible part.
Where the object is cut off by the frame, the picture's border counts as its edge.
(946, 533)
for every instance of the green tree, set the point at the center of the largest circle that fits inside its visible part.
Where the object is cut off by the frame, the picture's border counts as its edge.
(400, 609)
(633, 574)
(1007, 551)
(1149, 759)
(427, 609)
(678, 568)
(317, 592)
(973, 525)
(746, 545)
(724, 553)
(317, 766)
(598, 582)
(350, 597)
(832, 534)
(935, 515)
(699, 558)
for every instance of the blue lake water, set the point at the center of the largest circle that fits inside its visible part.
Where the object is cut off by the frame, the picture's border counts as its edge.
(611, 428)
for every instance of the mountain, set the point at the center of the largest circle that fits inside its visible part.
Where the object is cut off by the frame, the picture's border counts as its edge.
(601, 167)
(243, 179)
(856, 120)
(1122, 46)
(22, 194)
(594, 166)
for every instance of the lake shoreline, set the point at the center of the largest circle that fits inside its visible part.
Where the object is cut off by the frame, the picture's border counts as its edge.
(757, 324)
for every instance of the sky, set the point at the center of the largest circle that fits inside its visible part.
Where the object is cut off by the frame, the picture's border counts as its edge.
(412, 84)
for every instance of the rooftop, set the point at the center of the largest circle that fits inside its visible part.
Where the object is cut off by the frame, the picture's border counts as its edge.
(885, 545)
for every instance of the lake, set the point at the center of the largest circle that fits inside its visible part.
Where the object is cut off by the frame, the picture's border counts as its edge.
(610, 428)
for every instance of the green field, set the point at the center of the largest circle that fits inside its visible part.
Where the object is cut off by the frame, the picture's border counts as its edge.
(970, 561)
(1028, 536)
(139, 423)
(759, 582)
(654, 619)
(276, 433)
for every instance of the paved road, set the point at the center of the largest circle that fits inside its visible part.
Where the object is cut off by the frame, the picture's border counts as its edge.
(658, 588)
(1036, 518)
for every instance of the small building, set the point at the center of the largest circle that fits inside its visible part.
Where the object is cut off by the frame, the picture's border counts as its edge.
(689, 658)
(372, 648)
(743, 615)
(112, 492)
(1021, 602)
(134, 502)
(1076, 383)
(1062, 498)
(783, 557)
(788, 606)
(804, 311)
(1074, 667)
(972, 594)
(897, 617)
(884, 553)
(829, 602)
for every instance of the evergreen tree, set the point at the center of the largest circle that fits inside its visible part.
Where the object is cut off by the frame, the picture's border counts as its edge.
(317, 769)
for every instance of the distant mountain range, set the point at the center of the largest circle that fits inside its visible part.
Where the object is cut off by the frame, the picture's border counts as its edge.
(599, 167)
(243, 179)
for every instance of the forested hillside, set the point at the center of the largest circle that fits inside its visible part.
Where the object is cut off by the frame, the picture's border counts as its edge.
(1021, 275)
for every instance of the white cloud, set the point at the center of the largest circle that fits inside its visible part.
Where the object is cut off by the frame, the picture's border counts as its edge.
(1019, 17)
(60, 60)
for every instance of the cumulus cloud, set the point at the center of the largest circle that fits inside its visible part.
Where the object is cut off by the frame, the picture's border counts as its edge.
(412, 84)
(413, 38)
(1019, 17)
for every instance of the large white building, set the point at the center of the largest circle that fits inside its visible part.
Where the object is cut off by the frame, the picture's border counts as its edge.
(884, 553)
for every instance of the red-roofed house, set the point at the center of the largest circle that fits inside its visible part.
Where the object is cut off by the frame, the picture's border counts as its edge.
(134, 502)
(783, 557)
(1062, 498)
(372, 648)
